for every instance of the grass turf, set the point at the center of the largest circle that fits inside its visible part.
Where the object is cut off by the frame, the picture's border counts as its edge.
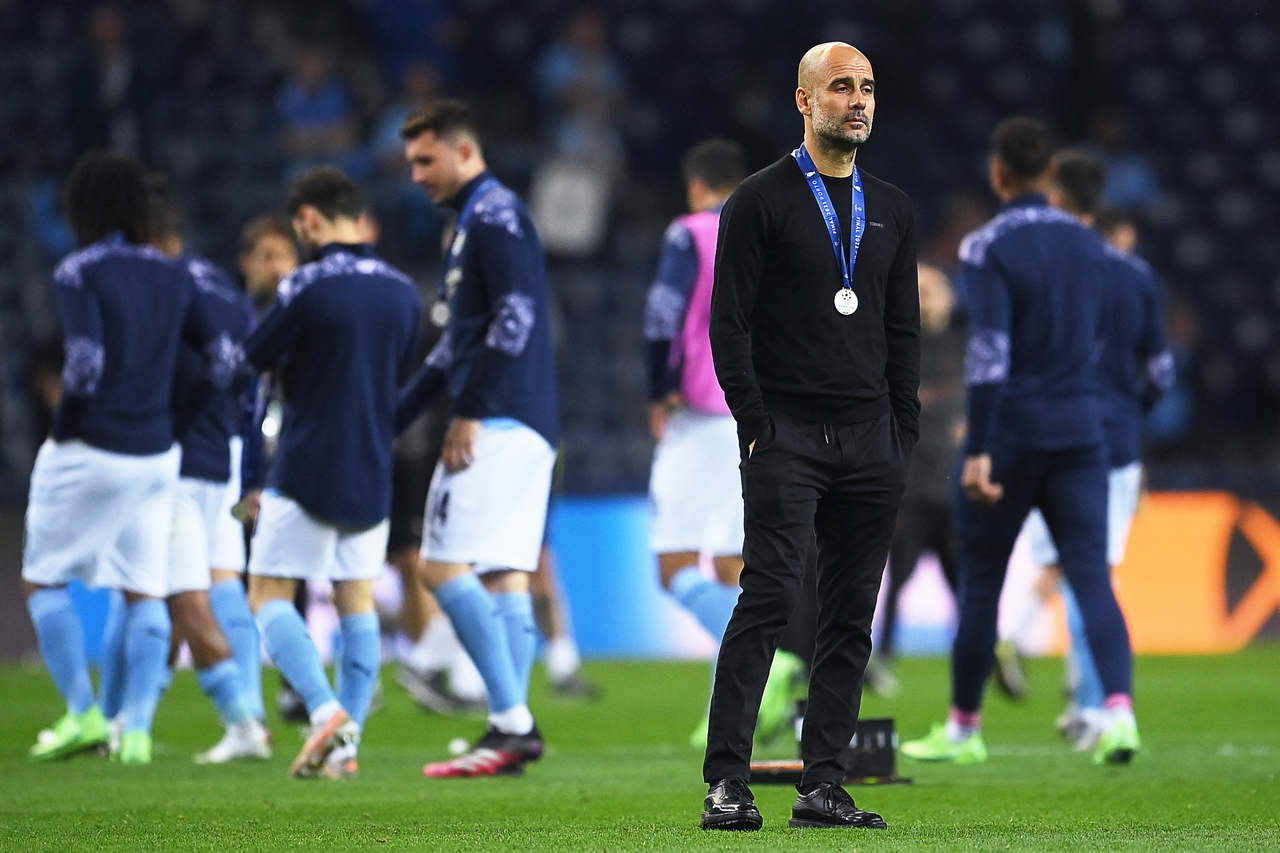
(619, 775)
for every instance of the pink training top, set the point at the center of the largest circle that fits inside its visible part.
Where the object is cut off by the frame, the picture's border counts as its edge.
(692, 349)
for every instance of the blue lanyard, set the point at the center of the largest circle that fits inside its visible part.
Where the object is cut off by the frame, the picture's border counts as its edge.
(454, 257)
(805, 162)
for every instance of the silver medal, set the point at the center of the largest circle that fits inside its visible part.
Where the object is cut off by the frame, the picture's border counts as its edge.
(846, 301)
(439, 314)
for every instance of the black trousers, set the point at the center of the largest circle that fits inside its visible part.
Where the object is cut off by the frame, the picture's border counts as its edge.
(924, 524)
(843, 484)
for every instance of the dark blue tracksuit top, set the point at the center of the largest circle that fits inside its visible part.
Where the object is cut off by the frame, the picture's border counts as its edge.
(126, 310)
(342, 338)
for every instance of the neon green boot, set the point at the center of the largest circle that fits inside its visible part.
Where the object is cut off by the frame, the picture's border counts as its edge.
(71, 734)
(135, 748)
(938, 746)
(1119, 742)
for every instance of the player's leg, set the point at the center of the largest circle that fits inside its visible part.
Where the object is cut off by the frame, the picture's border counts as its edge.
(1075, 508)
(683, 490)
(289, 545)
(508, 483)
(986, 534)
(62, 533)
(111, 658)
(143, 548)
(227, 595)
(513, 603)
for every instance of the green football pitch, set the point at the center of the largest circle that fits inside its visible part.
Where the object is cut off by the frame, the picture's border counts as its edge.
(620, 775)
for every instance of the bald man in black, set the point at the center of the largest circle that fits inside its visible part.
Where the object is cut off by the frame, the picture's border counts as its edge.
(815, 334)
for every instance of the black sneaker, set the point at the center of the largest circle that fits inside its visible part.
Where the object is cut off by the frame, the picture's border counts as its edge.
(829, 805)
(730, 805)
(495, 754)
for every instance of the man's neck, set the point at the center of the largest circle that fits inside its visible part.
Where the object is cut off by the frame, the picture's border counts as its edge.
(1010, 192)
(832, 160)
(343, 231)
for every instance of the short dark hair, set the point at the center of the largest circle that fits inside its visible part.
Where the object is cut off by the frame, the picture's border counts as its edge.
(262, 226)
(1109, 220)
(719, 163)
(105, 194)
(1024, 146)
(164, 215)
(1080, 175)
(445, 117)
(328, 190)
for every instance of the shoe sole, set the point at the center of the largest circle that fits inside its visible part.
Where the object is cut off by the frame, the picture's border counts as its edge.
(1121, 756)
(733, 823)
(311, 755)
(799, 823)
(68, 751)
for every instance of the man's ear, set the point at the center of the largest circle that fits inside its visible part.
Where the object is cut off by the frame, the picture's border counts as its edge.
(802, 101)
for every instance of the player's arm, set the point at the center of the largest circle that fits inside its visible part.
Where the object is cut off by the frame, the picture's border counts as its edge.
(85, 357)
(509, 264)
(425, 384)
(1158, 371)
(278, 329)
(902, 333)
(201, 329)
(740, 257)
(666, 306)
(987, 362)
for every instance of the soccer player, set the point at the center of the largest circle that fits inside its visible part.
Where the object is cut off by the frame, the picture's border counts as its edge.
(204, 533)
(487, 503)
(104, 481)
(694, 486)
(1136, 369)
(1036, 281)
(340, 337)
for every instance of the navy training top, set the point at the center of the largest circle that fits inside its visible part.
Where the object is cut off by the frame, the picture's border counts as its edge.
(125, 310)
(341, 337)
(495, 357)
(1034, 281)
(206, 418)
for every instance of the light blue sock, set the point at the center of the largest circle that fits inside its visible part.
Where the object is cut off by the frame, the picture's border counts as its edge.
(231, 609)
(111, 663)
(471, 610)
(222, 683)
(358, 663)
(61, 639)
(293, 653)
(515, 609)
(1088, 692)
(146, 654)
(710, 603)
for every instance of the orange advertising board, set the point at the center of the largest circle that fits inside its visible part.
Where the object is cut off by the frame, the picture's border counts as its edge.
(1181, 583)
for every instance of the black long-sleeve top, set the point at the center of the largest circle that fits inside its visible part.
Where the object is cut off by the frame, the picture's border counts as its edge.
(777, 340)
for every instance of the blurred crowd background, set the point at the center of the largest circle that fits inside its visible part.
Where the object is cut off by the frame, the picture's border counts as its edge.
(586, 111)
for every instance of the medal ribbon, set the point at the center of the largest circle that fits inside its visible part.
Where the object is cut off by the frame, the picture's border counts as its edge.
(811, 176)
(452, 259)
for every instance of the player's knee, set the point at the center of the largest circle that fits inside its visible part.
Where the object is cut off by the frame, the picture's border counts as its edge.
(434, 574)
(671, 564)
(353, 597)
(262, 590)
(505, 580)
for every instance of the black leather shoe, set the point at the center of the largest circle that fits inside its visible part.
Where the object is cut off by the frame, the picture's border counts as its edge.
(730, 805)
(829, 805)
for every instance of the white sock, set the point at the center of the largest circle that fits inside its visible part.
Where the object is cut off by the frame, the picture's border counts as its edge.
(1118, 715)
(437, 648)
(321, 715)
(561, 657)
(957, 733)
(465, 679)
(513, 721)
